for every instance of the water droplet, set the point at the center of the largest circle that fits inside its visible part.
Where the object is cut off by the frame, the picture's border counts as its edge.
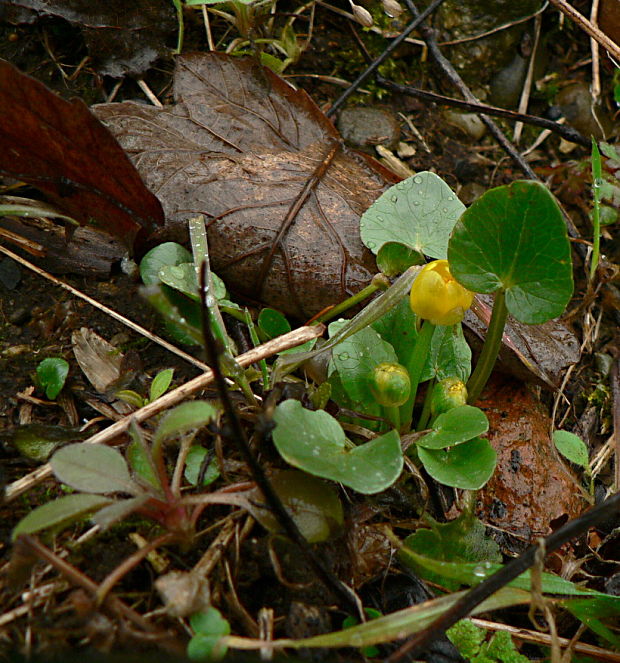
(400, 186)
(417, 180)
(343, 356)
(416, 202)
(394, 198)
(598, 182)
(356, 640)
(450, 197)
(316, 451)
(362, 224)
(380, 219)
(371, 245)
(445, 210)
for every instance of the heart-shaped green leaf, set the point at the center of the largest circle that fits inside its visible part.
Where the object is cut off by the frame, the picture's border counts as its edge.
(315, 442)
(51, 374)
(455, 427)
(418, 212)
(168, 253)
(514, 238)
(449, 355)
(468, 465)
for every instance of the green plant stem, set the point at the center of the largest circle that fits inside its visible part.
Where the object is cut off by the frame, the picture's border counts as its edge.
(392, 414)
(597, 178)
(490, 349)
(376, 284)
(414, 366)
(256, 341)
(426, 408)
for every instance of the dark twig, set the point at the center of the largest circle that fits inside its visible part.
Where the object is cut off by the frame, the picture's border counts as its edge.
(239, 437)
(370, 70)
(561, 129)
(450, 73)
(615, 394)
(509, 572)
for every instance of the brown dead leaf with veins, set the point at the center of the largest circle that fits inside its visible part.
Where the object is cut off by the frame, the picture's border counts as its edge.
(267, 169)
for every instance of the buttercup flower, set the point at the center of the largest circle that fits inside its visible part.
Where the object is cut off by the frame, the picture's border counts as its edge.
(437, 297)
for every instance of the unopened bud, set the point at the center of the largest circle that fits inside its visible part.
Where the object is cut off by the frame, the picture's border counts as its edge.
(362, 16)
(392, 8)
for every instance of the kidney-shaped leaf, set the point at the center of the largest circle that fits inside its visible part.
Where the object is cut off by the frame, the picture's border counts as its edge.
(514, 238)
(268, 171)
(468, 466)
(315, 442)
(418, 212)
(59, 512)
(455, 427)
(93, 468)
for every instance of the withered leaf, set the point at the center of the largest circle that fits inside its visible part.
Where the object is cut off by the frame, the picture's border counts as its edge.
(267, 170)
(62, 149)
(122, 37)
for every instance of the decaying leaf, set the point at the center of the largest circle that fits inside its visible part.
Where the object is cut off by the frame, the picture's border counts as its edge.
(122, 37)
(531, 487)
(62, 149)
(267, 170)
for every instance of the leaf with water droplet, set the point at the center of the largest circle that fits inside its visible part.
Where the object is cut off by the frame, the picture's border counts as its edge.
(368, 468)
(423, 225)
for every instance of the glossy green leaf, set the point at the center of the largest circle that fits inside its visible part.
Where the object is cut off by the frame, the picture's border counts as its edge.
(168, 253)
(273, 323)
(449, 355)
(418, 212)
(39, 441)
(398, 328)
(455, 426)
(572, 447)
(160, 384)
(181, 315)
(394, 258)
(183, 418)
(514, 238)
(60, 512)
(355, 359)
(193, 465)
(593, 610)
(463, 539)
(182, 278)
(140, 460)
(51, 374)
(315, 442)
(468, 466)
(93, 468)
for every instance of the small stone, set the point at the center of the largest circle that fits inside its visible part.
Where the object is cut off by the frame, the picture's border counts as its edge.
(366, 126)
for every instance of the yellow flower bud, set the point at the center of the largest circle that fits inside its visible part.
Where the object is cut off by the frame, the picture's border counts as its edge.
(437, 297)
(390, 384)
(447, 394)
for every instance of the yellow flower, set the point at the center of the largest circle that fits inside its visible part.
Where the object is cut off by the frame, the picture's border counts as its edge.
(437, 297)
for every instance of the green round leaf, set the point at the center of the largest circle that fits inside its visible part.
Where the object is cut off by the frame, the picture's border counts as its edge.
(572, 447)
(514, 238)
(315, 442)
(468, 466)
(182, 278)
(273, 323)
(455, 427)
(394, 258)
(59, 512)
(52, 373)
(418, 212)
(209, 627)
(168, 253)
(92, 468)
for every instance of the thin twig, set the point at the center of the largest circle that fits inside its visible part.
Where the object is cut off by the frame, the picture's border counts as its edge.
(596, 73)
(239, 437)
(527, 86)
(499, 579)
(476, 107)
(615, 391)
(568, 10)
(451, 74)
(290, 340)
(369, 71)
